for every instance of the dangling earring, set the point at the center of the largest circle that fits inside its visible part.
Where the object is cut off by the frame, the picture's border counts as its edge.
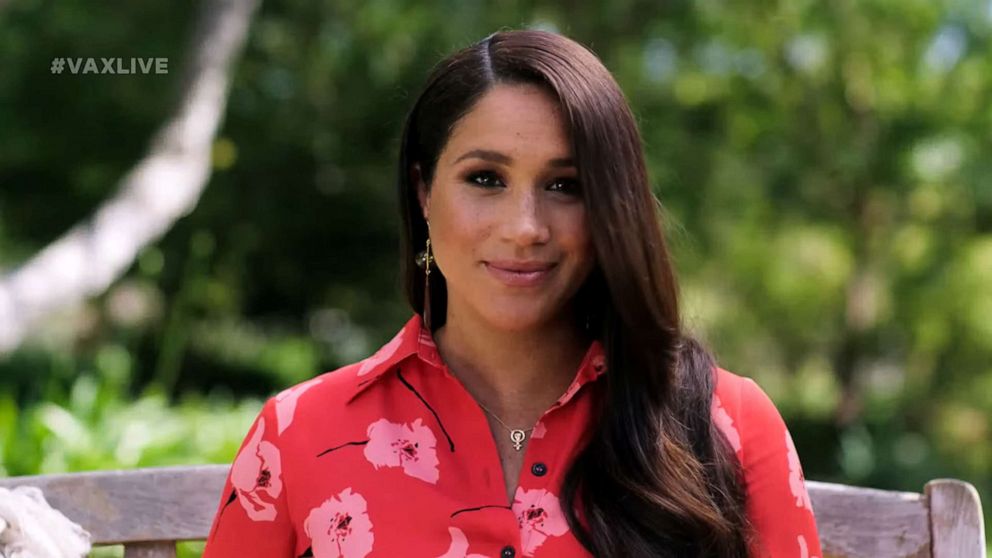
(425, 259)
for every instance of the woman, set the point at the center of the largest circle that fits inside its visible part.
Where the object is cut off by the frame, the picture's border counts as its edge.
(544, 400)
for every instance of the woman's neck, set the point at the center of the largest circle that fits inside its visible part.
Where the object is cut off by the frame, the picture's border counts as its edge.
(517, 374)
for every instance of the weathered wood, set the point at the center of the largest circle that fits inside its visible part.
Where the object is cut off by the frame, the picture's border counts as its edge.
(854, 521)
(958, 528)
(157, 506)
(154, 504)
(160, 549)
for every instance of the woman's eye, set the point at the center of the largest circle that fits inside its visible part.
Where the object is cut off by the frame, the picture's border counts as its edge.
(566, 185)
(489, 179)
(486, 179)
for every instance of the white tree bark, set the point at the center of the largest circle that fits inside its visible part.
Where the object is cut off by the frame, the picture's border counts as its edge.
(161, 188)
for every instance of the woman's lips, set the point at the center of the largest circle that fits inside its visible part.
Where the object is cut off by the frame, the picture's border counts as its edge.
(519, 278)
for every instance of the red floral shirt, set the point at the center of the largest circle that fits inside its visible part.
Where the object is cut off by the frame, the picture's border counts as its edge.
(391, 456)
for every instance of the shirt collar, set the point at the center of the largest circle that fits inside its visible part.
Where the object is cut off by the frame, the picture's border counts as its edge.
(414, 339)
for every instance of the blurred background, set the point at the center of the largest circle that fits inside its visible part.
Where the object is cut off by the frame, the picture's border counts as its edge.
(826, 169)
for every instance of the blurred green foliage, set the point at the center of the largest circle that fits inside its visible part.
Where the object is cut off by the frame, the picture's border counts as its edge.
(825, 169)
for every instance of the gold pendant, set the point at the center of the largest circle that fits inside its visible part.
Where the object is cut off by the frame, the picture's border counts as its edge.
(517, 437)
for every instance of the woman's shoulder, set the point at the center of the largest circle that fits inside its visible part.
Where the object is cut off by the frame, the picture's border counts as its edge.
(738, 393)
(779, 505)
(322, 399)
(728, 391)
(748, 418)
(336, 381)
(314, 400)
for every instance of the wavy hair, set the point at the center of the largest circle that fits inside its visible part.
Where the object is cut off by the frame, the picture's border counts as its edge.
(656, 478)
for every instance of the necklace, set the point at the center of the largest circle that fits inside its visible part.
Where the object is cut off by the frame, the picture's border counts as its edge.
(517, 436)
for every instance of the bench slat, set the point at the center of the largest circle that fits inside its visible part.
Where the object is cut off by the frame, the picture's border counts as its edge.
(161, 549)
(153, 504)
(854, 521)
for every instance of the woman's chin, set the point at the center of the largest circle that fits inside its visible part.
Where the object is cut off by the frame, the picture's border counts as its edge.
(512, 318)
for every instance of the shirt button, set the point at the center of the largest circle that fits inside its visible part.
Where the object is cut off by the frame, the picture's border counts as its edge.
(507, 552)
(538, 469)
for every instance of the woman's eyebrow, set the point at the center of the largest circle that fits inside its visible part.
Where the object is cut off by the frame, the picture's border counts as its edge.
(503, 159)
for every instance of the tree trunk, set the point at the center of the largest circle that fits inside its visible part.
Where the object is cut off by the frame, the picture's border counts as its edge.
(160, 189)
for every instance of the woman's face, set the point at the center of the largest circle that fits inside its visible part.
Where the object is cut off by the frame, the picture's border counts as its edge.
(505, 197)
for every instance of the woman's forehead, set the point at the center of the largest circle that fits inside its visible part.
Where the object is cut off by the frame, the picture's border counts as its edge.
(516, 121)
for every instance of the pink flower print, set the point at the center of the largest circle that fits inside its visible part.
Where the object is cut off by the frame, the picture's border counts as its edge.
(796, 481)
(539, 515)
(539, 430)
(256, 476)
(459, 546)
(410, 446)
(286, 403)
(382, 354)
(340, 527)
(803, 547)
(726, 424)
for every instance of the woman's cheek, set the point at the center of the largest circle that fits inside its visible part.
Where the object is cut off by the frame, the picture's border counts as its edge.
(452, 238)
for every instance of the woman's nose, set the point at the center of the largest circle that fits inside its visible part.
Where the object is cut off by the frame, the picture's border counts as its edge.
(524, 219)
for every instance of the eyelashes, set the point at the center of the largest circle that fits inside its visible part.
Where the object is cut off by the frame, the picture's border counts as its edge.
(489, 180)
(486, 179)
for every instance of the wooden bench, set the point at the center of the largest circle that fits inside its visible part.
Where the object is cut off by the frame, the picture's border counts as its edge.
(148, 510)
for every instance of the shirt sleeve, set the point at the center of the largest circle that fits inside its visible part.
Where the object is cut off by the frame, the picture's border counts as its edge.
(778, 505)
(252, 519)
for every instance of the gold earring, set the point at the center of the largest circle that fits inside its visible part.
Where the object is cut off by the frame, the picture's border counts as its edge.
(428, 259)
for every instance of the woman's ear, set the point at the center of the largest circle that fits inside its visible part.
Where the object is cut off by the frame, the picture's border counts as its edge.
(423, 195)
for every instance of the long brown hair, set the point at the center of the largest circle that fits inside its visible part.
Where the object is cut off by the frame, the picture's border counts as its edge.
(656, 478)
